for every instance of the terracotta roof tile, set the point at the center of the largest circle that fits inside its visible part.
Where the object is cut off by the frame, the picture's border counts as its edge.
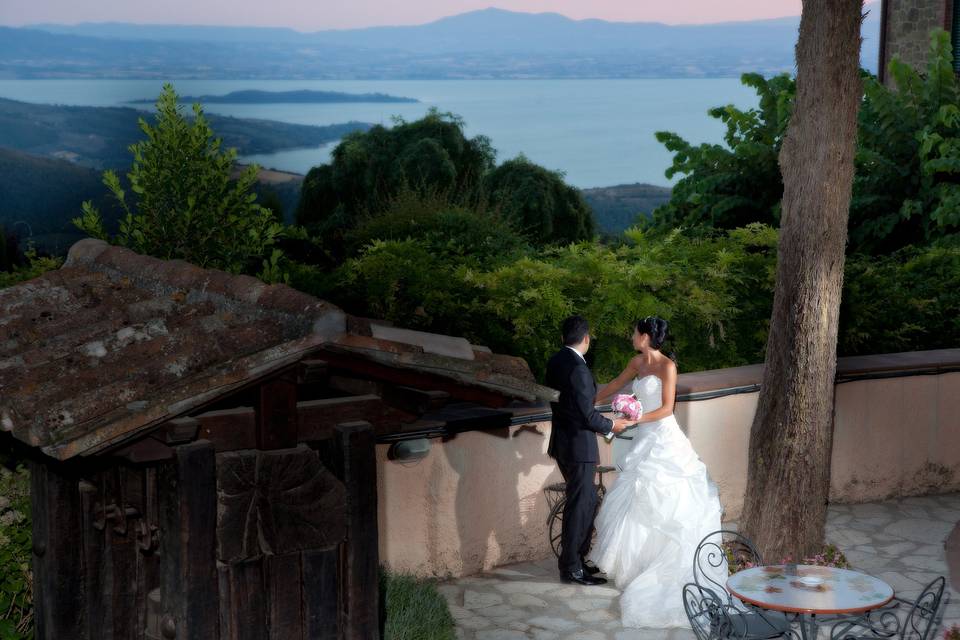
(114, 343)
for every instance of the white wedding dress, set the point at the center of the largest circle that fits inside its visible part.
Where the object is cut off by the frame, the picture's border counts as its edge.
(660, 506)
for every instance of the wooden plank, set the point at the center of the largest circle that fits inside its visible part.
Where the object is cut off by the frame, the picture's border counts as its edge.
(301, 504)
(188, 576)
(129, 603)
(277, 414)
(321, 594)
(284, 597)
(248, 601)
(276, 502)
(93, 548)
(360, 604)
(58, 596)
(230, 429)
(227, 632)
(238, 531)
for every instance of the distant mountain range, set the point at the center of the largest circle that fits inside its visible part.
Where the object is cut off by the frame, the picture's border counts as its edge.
(490, 43)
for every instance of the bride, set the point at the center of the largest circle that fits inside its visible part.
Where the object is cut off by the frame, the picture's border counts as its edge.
(662, 503)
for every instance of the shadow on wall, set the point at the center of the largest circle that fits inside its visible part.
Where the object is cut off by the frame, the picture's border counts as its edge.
(500, 477)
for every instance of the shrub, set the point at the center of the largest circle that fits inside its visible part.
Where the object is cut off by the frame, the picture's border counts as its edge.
(16, 576)
(35, 267)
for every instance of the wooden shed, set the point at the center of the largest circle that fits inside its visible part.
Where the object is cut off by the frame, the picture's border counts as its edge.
(202, 446)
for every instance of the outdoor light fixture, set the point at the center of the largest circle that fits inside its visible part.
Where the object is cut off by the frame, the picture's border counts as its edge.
(409, 449)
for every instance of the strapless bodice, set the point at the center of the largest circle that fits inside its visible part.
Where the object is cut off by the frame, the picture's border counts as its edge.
(649, 391)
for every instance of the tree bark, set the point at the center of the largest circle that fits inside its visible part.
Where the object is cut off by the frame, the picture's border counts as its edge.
(791, 437)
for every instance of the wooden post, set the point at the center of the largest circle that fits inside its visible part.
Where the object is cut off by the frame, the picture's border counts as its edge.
(58, 596)
(360, 596)
(188, 515)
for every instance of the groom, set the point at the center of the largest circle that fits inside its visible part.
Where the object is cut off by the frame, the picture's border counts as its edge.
(573, 444)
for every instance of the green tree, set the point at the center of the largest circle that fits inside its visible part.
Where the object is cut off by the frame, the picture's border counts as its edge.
(906, 187)
(737, 183)
(369, 169)
(185, 203)
(544, 207)
(908, 160)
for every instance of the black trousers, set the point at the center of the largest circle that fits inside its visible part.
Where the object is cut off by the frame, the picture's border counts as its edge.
(578, 513)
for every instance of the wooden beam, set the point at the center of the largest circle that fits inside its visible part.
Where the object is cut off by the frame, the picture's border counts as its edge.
(353, 386)
(312, 371)
(180, 430)
(412, 378)
(415, 401)
(229, 429)
(318, 418)
(188, 511)
(277, 414)
(58, 596)
(144, 451)
(360, 608)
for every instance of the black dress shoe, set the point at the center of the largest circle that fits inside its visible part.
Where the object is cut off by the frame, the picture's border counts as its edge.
(591, 568)
(582, 577)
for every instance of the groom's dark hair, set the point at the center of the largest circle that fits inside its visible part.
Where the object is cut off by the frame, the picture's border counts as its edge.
(574, 329)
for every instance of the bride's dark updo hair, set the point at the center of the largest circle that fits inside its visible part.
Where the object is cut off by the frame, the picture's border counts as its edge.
(654, 327)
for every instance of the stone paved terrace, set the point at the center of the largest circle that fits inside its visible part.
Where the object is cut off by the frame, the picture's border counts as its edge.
(900, 541)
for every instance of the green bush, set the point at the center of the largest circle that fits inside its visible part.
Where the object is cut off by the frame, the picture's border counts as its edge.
(715, 291)
(16, 576)
(450, 231)
(35, 267)
(415, 610)
(907, 301)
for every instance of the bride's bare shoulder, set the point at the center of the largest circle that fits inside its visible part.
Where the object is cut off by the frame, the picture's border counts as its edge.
(668, 367)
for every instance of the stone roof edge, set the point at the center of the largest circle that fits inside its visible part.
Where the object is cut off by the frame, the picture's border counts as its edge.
(328, 321)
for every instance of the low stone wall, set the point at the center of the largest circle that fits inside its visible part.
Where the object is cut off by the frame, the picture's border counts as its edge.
(476, 501)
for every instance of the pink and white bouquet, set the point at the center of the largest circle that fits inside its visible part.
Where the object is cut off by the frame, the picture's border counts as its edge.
(627, 406)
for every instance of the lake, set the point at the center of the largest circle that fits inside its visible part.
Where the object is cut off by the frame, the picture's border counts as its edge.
(597, 132)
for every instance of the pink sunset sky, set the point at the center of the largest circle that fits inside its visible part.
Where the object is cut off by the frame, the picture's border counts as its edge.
(307, 15)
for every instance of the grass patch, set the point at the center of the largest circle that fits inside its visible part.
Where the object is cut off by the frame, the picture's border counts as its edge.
(415, 610)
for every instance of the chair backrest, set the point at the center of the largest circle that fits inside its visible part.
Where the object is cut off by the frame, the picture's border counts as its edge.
(708, 615)
(715, 552)
(923, 613)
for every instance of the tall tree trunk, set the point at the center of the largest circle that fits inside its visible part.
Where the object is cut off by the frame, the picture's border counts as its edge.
(792, 434)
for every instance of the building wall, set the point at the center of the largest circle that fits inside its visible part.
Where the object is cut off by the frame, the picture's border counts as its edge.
(476, 501)
(908, 26)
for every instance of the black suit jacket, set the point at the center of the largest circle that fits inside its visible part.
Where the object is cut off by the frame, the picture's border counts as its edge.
(576, 423)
